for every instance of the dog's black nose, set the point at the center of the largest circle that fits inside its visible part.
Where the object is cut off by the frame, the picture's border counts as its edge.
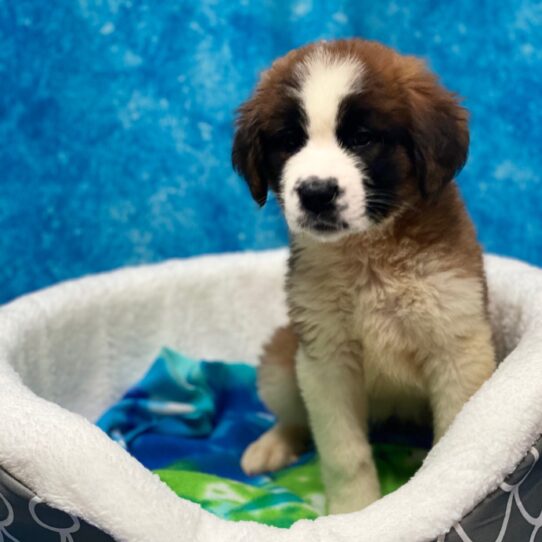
(318, 195)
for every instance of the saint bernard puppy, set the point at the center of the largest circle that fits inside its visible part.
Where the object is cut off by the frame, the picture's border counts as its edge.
(385, 287)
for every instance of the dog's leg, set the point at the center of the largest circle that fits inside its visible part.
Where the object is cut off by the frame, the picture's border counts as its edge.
(333, 390)
(278, 389)
(455, 375)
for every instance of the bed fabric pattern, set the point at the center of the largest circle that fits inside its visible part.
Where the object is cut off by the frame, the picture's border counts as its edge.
(68, 352)
(25, 518)
(512, 513)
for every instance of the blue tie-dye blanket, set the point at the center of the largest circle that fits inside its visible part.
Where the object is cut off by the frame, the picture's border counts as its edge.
(190, 421)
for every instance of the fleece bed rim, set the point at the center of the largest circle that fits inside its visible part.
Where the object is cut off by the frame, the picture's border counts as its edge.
(454, 479)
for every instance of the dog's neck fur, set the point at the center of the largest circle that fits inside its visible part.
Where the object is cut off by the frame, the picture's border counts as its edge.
(438, 230)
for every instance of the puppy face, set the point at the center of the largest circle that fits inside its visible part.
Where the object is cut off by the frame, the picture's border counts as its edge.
(347, 134)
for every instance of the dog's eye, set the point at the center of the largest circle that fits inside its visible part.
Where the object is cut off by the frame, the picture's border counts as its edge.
(361, 137)
(288, 140)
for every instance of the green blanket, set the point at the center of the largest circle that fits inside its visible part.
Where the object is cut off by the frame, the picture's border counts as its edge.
(289, 495)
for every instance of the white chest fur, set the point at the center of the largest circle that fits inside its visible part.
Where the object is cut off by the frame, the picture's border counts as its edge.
(393, 314)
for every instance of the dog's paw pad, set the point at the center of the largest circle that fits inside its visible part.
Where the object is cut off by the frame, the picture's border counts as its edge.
(269, 453)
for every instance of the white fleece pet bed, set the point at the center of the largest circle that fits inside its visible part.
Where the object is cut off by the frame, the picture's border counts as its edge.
(70, 351)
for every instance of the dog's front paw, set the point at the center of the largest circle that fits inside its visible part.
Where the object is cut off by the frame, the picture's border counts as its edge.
(351, 497)
(345, 506)
(272, 451)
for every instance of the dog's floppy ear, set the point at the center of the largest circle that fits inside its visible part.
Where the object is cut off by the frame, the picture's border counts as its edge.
(439, 134)
(247, 152)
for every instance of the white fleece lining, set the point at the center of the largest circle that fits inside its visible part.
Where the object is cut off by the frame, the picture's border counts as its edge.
(79, 345)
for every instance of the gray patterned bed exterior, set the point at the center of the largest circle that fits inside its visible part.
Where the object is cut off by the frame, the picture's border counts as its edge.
(512, 513)
(24, 518)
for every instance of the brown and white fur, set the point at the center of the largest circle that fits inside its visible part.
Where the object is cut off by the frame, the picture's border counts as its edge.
(385, 288)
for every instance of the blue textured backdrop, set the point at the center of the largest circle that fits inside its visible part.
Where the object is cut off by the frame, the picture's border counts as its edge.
(116, 121)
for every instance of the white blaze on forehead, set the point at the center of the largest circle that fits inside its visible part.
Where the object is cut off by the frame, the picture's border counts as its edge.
(325, 80)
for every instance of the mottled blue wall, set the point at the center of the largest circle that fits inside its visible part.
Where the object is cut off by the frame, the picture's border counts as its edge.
(116, 121)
